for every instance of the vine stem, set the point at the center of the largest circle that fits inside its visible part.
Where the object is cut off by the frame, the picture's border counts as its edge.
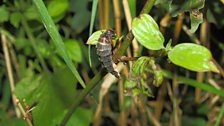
(128, 39)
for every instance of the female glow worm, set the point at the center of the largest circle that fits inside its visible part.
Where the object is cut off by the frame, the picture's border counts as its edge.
(104, 51)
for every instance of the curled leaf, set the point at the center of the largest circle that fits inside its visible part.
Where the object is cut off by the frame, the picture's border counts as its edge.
(196, 19)
(93, 39)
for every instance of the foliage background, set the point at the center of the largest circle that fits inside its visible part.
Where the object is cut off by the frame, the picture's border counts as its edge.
(42, 77)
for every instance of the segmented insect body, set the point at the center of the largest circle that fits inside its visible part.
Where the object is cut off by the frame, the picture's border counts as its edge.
(104, 51)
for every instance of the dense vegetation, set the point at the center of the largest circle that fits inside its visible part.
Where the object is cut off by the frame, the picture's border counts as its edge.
(50, 73)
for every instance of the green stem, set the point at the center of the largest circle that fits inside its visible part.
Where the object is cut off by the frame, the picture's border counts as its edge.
(33, 43)
(220, 116)
(148, 6)
(194, 83)
(128, 39)
(80, 98)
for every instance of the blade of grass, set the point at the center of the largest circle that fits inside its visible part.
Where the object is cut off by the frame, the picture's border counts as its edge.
(194, 83)
(220, 116)
(53, 32)
(93, 15)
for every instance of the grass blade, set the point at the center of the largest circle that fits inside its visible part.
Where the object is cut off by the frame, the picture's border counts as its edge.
(194, 83)
(219, 118)
(93, 15)
(53, 32)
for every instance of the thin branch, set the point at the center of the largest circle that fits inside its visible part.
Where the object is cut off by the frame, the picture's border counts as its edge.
(10, 73)
(11, 80)
(33, 43)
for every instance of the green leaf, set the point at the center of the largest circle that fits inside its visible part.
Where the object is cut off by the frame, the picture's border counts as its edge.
(81, 117)
(193, 121)
(74, 50)
(196, 20)
(4, 14)
(15, 19)
(93, 39)
(193, 57)
(193, 4)
(53, 32)
(52, 93)
(146, 31)
(44, 49)
(166, 4)
(31, 13)
(57, 8)
(81, 18)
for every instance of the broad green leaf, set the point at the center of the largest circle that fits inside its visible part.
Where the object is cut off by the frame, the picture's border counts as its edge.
(52, 93)
(146, 31)
(4, 14)
(196, 20)
(74, 50)
(193, 57)
(15, 19)
(93, 39)
(53, 32)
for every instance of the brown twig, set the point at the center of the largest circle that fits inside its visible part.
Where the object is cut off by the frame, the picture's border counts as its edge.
(122, 116)
(10, 73)
(178, 27)
(192, 36)
(23, 112)
(18, 108)
(129, 20)
(117, 17)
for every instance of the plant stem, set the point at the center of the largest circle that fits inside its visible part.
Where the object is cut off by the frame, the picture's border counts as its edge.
(33, 43)
(194, 83)
(148, 6)
(80, 98)
(128, 39)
